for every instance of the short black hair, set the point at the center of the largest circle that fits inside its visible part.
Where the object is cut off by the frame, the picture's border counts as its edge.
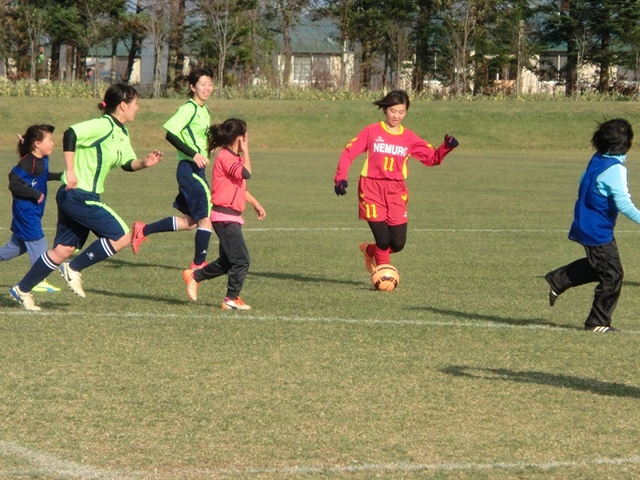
(393, 98)
(195, 75)
(613, 137)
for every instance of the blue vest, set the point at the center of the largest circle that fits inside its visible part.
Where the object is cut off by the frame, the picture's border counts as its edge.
(594, 215)
(27, 212)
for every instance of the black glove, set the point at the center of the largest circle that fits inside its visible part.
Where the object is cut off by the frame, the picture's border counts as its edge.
(450, 141)
(341, 187)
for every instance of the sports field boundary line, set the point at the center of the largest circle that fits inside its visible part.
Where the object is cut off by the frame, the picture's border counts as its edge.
(47, 464)
(436, 467)
(238, 316)
(50, 465)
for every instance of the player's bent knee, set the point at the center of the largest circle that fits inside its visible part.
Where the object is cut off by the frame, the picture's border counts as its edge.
(383, 245)
(122, 243)
(205, 223)
(60, 253)
(397, 248)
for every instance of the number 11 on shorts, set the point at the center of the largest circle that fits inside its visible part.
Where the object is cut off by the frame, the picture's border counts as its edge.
(370, 210)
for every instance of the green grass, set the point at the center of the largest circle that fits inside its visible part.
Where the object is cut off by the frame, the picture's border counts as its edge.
(547, 126)
(463, 372)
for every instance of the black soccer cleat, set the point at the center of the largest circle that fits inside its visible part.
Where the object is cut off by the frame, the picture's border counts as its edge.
(601, 329)
(553, 296)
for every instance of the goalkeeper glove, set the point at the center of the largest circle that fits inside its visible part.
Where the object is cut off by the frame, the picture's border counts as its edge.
(450, 141)
(341, 187)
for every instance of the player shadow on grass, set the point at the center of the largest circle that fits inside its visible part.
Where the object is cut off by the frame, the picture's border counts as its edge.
(132, 296)
(580, 384)
(302, 278)
(119, 263)
(47, 306)
(522, 322)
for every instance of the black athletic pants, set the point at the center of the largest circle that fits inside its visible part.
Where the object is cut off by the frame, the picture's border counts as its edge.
(602, 264)
(386, 236)
(233, 258)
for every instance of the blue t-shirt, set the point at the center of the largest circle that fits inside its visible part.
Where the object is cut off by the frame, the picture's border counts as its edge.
(27, 212)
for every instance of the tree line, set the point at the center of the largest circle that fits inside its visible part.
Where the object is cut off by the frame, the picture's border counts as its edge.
(467, 46)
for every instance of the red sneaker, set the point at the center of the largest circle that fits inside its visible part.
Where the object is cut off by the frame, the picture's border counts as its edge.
(137, 237)
(198, 266)
(369, 261)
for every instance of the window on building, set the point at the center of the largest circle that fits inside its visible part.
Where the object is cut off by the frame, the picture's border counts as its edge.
(302, 69)
(312, 70)
(321, 71)
(551, 67)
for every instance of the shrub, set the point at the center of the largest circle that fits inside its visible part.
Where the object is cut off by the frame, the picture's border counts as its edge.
(26, 88)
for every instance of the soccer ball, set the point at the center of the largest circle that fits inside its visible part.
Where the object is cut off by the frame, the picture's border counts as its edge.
(385, 277)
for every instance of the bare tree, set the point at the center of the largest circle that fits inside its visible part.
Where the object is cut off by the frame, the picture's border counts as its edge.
(460, 25)
(35, 22)
(137, 28)
(89, 23)
(584, 41)
(159, 24)
(400, 47)
(226, 18)
(287, 12)
(176, 43)
(466, 25)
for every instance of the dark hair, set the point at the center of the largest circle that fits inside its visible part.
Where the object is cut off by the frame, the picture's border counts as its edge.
(194, 77)
(225, 133)
(35, 133)
(393, 98)
(115, 95)
(613, 137)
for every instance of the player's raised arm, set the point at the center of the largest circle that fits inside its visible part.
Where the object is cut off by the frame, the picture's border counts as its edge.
(426, 154)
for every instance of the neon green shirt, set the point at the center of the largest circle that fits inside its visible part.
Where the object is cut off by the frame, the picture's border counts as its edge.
(190, 123)
(101, 145)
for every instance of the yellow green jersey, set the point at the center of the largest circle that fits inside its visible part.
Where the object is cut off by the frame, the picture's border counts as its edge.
(190, 124)
(102, 144)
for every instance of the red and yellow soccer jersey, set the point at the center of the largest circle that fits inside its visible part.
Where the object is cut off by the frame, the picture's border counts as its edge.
(388, 153)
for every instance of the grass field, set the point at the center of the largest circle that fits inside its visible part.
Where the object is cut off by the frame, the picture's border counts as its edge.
(464, 371)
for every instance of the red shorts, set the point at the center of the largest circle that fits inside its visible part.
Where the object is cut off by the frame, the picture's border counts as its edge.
(383, 200)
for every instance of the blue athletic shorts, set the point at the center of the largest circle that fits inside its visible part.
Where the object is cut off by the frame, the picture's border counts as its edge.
(81, 212)
(194, 198)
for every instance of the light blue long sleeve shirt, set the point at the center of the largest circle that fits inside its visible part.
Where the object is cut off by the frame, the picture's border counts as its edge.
(613, 183)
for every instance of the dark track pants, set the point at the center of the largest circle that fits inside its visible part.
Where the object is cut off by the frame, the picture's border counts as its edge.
(602, 264)
(233, 258)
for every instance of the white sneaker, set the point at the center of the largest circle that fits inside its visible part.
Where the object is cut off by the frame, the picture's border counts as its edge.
(44, 287)
(24, 299)
(73, 278)
(236, 304)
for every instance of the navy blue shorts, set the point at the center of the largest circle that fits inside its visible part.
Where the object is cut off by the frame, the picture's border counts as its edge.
(194, 198)
(81, 212)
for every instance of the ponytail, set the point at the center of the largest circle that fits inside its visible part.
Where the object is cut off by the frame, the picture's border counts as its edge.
(35, 133)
